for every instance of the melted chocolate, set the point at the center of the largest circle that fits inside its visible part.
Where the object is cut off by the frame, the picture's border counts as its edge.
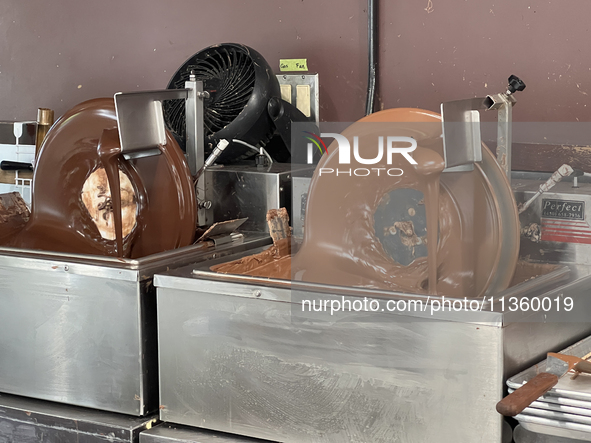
(340, 244)
(109, 151)
(72, 150)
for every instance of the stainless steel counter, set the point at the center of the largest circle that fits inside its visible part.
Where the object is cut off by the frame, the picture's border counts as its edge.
(238, 355)
(81, 330)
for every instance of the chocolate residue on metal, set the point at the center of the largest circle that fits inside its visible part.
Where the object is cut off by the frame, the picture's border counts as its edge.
(13, 206)
(14, 214)
(406, 230)
(532, 232)
(275, 261)
(272, 262)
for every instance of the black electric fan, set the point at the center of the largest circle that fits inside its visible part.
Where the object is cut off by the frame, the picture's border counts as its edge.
(244, 103)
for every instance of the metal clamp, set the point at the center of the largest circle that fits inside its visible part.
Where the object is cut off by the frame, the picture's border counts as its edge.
(142, 129)
(462, 142)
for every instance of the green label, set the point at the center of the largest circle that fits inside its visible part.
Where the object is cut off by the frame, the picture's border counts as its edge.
(293, 64)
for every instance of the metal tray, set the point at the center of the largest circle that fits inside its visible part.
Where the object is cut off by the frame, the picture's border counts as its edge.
(578, 389)
(561, 416)
(557, 428)
(522, 435)
(554, 403)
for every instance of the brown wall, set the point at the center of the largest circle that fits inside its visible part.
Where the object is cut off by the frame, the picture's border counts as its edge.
(60, 52)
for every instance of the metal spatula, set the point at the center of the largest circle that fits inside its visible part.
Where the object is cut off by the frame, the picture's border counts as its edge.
(556, 366)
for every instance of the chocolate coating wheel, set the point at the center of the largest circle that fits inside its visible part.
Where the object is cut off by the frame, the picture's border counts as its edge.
(478, 228)
(164, 197)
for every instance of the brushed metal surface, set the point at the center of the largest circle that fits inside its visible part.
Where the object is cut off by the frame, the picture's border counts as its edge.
(24, 420)
(550, 251)
(301, 184)
(240, 365)
(234, 357)
(76, 339)
(140, 119)
(85, 334)
(555, 428)
(462, 145)
(239, 191)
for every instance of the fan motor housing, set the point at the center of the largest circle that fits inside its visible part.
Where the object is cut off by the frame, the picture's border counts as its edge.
(240, 83)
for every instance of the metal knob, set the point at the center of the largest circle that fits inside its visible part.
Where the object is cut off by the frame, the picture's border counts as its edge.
(515, 84)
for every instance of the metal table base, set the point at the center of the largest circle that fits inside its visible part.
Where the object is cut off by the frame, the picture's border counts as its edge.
(24, 420)
(170, 433)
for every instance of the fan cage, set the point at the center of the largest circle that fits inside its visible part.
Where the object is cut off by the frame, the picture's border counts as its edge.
(228, 74)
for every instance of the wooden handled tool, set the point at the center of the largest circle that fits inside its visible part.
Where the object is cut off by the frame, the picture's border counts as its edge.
(556, 366)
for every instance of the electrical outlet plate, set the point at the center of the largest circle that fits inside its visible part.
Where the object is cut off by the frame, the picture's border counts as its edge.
(301, 90)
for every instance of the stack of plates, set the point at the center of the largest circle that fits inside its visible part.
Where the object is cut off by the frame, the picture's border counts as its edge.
(565, 410)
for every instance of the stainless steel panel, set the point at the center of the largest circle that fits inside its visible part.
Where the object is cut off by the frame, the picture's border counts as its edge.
(568, 405)
(240, 191)
(301, 184)
(140, 118)
(75, 339)
(166, 433)
(32, 421)
(570, 415)
(462, 144)
(236, 357)
(532, 243)
(240, 365)
(85, 334)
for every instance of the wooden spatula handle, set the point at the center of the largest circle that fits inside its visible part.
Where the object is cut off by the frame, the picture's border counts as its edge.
(521, 398)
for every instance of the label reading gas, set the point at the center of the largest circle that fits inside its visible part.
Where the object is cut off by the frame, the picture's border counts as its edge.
(293, 64)
(565, 209)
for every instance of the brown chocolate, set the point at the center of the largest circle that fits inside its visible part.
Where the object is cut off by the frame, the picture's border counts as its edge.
(278, 222)
(525, 271)
(274, 261)
(340, 244)
(166, 209)
(14, 214)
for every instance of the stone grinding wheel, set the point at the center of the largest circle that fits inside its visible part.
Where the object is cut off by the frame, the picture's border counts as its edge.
(478, 235)
(157, 191)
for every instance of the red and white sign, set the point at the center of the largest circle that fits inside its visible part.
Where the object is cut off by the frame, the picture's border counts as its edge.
(568, 231)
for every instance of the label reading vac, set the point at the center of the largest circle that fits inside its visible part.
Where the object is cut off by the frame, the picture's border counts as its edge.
(564, 209)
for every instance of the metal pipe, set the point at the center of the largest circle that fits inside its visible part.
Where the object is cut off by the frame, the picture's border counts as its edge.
(372, 34)
(563, 171)
(44, 122)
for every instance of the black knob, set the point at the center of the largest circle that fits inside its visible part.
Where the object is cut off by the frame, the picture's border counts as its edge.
(515, 84)
(7, 165)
